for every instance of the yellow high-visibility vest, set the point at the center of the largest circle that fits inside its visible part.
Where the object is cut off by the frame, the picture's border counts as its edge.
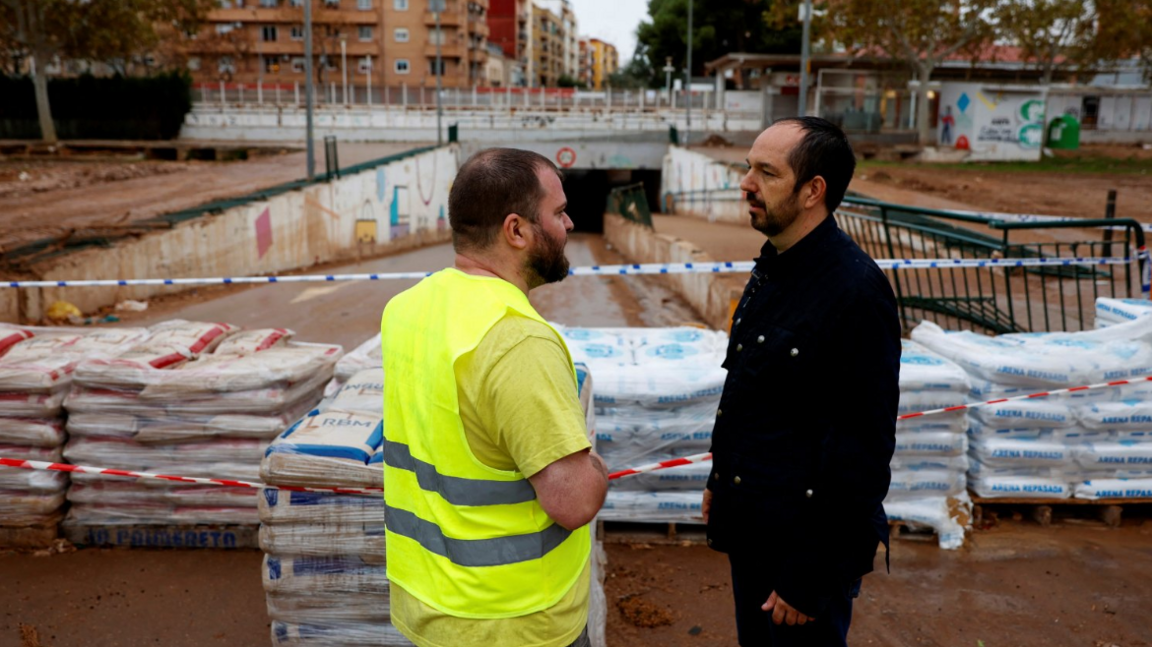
(466, 539)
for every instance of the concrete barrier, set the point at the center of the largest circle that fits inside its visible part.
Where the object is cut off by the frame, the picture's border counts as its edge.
(713, 296)
(695, 184)
(398, 204)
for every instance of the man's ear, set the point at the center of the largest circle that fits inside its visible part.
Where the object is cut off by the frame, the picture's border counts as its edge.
(515, 231)
(814, 193)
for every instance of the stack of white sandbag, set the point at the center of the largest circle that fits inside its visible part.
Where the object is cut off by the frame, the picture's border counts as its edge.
(36, 369)
(657, 391)
(192, 399)
(929, 485)
(1110, 312)
(1090, 443)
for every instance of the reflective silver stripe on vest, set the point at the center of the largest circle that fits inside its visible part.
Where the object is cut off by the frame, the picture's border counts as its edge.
(475, 552)
(454, 489)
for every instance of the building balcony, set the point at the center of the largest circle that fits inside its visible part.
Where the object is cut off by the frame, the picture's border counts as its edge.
(477, 27)
(454, 50)
(450, 18)
(292, 15)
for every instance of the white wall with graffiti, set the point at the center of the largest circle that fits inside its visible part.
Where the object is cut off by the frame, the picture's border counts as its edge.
(994, 122)
(695, 184)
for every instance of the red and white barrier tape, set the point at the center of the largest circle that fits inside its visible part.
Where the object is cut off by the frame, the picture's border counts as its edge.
(651, 467)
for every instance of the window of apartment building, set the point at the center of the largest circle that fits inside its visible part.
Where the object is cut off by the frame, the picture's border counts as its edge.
(269, 33)
(226, 65)
(194, 63)
(331, 3)
(297, 32)
(400, 34)
(271, 64)
(296, 3)
(400, 5)
(298, 64)
(436, 37)
(270, 3)
(225, 28)
(365, 65)
(364, 5)
(402, 66)
(364, 32)
(432, 66)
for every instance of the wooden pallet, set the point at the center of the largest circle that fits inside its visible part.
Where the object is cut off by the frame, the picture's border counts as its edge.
(29, 537)
(177, 536)
(655, 533)
(1109, 511)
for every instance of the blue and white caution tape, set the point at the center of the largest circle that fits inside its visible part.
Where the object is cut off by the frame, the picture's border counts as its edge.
(593, 270)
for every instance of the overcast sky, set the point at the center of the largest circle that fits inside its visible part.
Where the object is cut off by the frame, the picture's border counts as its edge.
(612, 20)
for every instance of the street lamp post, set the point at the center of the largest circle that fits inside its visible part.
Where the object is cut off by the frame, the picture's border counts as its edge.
(688, 80)
(308, 92)
(668, 70)
(344, 63)
(805, 55)
(437, 6)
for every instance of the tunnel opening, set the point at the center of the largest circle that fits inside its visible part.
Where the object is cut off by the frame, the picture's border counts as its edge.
(587, 192)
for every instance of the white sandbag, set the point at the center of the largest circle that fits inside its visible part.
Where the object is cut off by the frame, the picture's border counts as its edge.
(950, 463)
(246, 516)
(31, 453)
(281, 506)
(329, 609)
(17, 503)
(365, 541)
(621, 505)
(1108, 456)
(1041, 413)
(627, 440)
(288, 634)
(194, 336)
(33, 481)
(37, 432)
(948, 517)
(922, 369)
(1115, 311)
(1041, 360)
(10, 336)
(1132, 414)
(584, 391)
(669, 386)
(32, 405)
(363, 357)
(918, 401)
(214, 374)
(247, 342)
(330, 574)
(362, 393)
(249, 472)
(1021, 452)
(86, 399)
(127, 454)
(930, 443)
(692, 477)
(96, 514)
(1114, 489)
(1019, 487)
(324, 448)
(911, 483)
(953, 422)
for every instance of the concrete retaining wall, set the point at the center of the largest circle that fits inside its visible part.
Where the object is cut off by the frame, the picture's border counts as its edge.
(404, 202)
(697, 185)
(709, 294)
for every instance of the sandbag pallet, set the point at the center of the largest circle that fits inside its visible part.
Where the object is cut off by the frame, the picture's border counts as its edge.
(36, 371)
(1091, 444)
(657, 391)
(191, 399)
(985, 511)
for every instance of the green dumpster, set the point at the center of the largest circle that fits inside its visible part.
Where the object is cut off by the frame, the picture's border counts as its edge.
(1064, 132)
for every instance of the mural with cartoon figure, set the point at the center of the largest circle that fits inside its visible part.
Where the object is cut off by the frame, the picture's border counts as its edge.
(993, 122)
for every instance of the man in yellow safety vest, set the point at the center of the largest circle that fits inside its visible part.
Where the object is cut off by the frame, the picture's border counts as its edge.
(489, 477)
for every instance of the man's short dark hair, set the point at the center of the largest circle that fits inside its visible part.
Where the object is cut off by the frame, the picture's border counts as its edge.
(490, 185)
(824, 151)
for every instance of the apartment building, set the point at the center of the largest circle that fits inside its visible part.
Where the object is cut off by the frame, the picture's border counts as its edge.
(604, 62)
(568, 34)
(391, 41)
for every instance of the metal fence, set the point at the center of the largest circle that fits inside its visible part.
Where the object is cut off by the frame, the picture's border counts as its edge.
(632, 203)
(997, 299)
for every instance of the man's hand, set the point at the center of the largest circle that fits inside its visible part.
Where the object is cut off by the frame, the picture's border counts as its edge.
(706, 504)
(782, 612)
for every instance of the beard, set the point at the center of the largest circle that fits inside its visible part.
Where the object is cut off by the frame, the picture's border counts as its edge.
(777, 218)
(546, 263)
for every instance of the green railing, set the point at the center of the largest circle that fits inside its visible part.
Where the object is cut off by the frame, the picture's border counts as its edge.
(632, 203)
(991, 299)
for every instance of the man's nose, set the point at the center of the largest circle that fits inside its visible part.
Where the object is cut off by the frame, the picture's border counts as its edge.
(746, 184)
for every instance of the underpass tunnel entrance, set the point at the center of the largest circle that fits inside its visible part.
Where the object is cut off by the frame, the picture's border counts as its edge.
(587, 192)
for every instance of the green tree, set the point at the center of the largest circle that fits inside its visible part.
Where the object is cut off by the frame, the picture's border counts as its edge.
(1124, 30)
(566, 81)
(635, 75)
(1050, 33)
(46, 31)
(718, 27)
(921, 33)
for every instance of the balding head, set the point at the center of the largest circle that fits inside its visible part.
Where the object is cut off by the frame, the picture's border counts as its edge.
(491, 185)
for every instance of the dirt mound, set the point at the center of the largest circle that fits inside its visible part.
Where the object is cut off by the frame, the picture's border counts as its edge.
(641, 613)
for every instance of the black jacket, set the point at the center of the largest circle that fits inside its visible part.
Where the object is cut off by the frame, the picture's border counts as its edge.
(806, 426)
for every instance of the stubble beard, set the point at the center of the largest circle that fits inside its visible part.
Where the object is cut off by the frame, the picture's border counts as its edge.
(547, 262)
(773, 221)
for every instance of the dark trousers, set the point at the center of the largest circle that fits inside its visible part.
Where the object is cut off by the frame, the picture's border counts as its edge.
(752, 583)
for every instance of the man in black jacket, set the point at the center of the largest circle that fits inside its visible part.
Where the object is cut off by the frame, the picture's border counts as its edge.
(806, 425)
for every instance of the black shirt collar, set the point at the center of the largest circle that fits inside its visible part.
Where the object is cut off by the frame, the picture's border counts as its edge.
(805, 250)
